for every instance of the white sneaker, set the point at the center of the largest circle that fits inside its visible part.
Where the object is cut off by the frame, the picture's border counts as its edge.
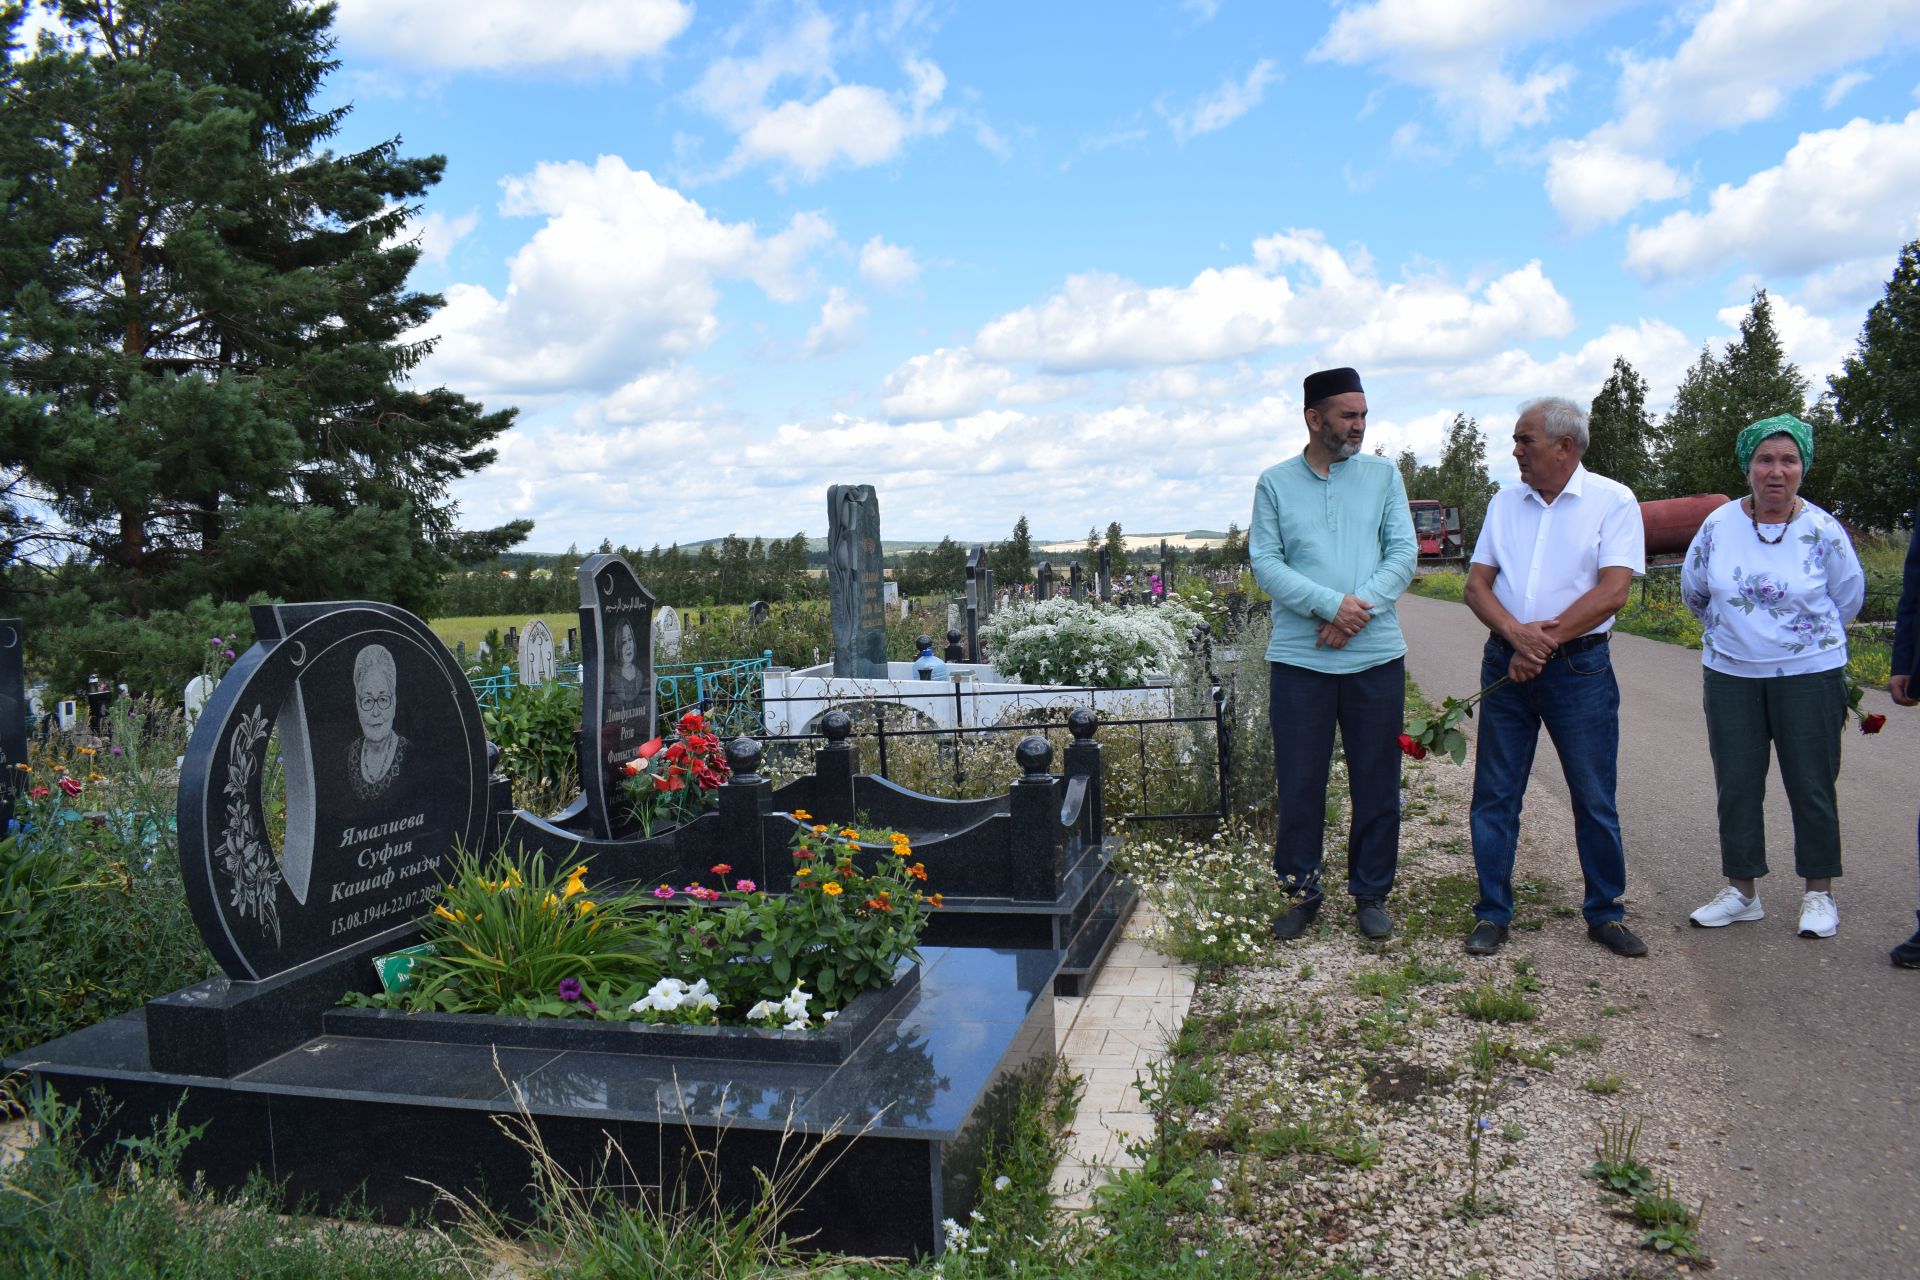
(1729, 906)
(1819, 918)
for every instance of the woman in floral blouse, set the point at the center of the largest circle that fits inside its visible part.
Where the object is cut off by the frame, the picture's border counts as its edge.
(1774, 581)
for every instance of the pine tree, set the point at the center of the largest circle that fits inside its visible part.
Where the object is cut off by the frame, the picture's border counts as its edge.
(1012, 560)
(1116, 548)
(206, 377)
(1718, 397)
(1868, 458)
(1620, 434)
(1461, 479)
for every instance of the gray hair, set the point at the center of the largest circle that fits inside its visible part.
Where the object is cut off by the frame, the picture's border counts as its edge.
(1560, 417)
(375, 658)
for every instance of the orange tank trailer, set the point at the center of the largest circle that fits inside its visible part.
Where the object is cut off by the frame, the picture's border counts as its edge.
(1670, 523)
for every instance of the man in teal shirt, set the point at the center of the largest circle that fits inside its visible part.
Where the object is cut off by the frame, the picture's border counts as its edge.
(1332, 542)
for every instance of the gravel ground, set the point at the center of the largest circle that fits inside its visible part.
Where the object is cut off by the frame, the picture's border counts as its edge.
(1363, 1069)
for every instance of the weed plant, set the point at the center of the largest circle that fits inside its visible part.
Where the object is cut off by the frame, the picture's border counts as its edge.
(1616, 1163)
(93, 916)
(64, 1214)
(1489, 1003)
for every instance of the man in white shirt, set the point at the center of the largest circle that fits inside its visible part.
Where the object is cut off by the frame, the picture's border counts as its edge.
(1554, 562)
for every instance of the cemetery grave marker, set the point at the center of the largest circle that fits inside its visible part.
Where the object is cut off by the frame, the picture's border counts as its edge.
(854, 582)
(537, 662)
(667, 632)
(194, 697)
(757, 613)
(13, 713)
(1106, 575)
(618, 705)
(385, 770)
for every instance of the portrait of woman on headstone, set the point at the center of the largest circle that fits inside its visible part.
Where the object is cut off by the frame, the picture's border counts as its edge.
(627, 684)
(373, 760)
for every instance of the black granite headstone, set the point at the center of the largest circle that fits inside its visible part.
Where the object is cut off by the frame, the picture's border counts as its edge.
(1106, 575)
(855, 587)
(616, 675)
(758, 612)
(13, 714)
(385, 764)
(1076, 583)
(1043, 584)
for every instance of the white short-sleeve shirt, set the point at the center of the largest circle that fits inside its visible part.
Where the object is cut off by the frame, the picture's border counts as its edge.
(1550, 554)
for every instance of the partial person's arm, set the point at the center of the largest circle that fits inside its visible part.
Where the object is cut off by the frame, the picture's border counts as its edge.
(1531, 644)
(1696, 592)
(1846, 580)
(1606, 598)
(1906, 620)
(1267, 552)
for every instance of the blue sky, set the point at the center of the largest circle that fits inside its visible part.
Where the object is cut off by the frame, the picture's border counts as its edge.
(1072, 260)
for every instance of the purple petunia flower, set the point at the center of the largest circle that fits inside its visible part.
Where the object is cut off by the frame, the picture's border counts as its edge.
(569, 989)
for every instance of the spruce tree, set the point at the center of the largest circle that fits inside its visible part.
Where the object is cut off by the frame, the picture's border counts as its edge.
(203, 316)
(1868, 458)
(1116, 549)
(1751, 381)
(1620, 434)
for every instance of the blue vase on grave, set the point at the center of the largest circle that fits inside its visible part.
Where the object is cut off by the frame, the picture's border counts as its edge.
(927, 666)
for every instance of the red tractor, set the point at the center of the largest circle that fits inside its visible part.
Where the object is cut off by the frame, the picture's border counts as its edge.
(1437, 530)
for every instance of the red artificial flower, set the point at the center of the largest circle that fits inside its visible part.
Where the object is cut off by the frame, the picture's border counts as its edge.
(1412, 747)
(670, 781)
(631, 768)
(72, 787)
(1873, 723)
(692, 723)
(649, 749)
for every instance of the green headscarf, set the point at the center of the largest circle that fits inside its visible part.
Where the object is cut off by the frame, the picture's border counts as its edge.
(1784, 425)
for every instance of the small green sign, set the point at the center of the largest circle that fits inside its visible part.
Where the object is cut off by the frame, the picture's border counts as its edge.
(396, 970)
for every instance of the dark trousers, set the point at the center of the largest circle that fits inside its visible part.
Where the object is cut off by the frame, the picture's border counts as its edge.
(1799, 718)
(1578, 700)
(1370, 708)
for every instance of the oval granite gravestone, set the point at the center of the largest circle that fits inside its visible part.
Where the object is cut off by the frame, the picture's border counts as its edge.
(666, 632)
(385, 766)
(13, 715)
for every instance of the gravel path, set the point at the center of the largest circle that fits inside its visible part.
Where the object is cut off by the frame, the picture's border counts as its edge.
(1805, 1094)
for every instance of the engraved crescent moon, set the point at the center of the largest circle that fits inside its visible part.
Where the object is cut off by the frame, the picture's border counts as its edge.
(300, 652)
(12, 638)
(606, 583)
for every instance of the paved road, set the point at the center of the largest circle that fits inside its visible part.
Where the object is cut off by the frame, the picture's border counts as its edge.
(1822, 1170)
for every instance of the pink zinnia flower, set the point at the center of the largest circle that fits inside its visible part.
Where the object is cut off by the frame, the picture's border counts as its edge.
(745, 886)
(663, 892)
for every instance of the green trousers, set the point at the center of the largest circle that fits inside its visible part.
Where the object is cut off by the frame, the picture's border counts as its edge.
(1800, 719)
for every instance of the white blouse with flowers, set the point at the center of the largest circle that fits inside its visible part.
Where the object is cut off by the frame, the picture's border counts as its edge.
(1772, 608)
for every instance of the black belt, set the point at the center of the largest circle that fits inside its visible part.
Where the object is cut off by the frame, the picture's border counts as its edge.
(1580, 645)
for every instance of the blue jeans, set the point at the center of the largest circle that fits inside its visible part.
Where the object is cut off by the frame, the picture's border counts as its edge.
(1578, 701)
(1370, 707)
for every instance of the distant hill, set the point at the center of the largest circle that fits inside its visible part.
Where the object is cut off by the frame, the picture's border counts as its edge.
(1189, 540)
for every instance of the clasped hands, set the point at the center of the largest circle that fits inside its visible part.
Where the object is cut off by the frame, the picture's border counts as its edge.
(1354, 614)
(1534, 643)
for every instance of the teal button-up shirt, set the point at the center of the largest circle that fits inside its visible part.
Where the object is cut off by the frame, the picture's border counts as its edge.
(1315, 541)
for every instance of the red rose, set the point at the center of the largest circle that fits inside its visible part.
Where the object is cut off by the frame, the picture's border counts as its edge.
(1412, 747)
(72, 787)
(1873, 723)
(692, 723)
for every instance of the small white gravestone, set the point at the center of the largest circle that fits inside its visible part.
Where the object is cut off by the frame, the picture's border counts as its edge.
(666, 633)
(67, 714)
(484, 652)
(537, 664)
(198, 690)
(890, 592)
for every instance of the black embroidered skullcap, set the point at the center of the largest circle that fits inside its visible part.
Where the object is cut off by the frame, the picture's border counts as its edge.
(1330, 382)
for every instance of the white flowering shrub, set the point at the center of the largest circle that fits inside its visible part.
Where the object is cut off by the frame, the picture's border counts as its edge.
(1213, 899)
(1062, 641)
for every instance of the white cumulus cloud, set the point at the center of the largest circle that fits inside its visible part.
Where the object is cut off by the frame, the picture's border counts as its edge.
(1592, 183)
(498, 34)
(1459, 50)
(888, 265)
(1659, 352)
(841, 325)
(944, 383)
(1838, 194)
(1227, 103)
(618, 279)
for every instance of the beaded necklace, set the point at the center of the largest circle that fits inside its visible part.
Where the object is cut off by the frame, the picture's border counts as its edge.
(1753, 514)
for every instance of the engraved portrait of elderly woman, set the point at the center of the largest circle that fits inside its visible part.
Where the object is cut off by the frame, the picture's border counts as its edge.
(374, 758)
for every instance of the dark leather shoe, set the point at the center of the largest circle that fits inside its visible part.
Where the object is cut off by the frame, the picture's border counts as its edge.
(1907, 954)
(1374, 923)
(1617, 938)
(1294, 923)
(1486, 938)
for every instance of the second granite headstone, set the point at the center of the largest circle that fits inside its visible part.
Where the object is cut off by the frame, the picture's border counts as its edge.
(854, 582)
